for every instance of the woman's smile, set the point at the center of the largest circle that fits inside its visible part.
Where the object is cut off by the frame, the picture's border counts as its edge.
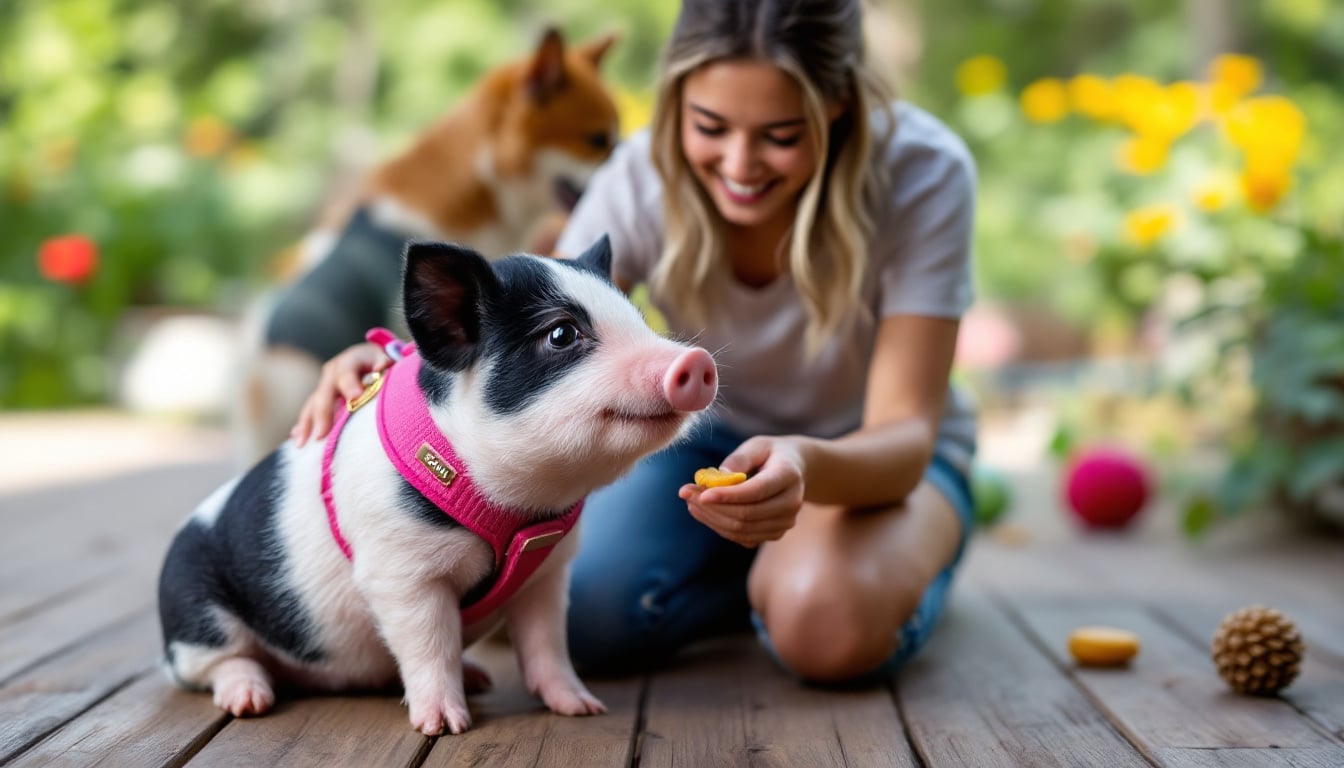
(745, 138)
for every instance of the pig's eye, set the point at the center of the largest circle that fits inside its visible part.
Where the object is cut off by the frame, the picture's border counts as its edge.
(563, 335)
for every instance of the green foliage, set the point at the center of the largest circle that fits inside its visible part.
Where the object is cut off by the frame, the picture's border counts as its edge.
(1294, 444)
(192, 142)
(1248, 292)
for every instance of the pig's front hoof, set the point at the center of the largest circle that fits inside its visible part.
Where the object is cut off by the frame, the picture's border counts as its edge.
(573, 700)
(242, 688)
(434, 719)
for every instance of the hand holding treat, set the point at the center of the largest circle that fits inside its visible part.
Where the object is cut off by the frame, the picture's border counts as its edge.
(712, 477)
(754, 495)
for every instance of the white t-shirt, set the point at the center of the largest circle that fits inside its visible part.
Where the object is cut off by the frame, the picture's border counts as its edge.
(920, 264)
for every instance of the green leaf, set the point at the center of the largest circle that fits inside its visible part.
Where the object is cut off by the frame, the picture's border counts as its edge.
(1063, 442)
(1199, 514)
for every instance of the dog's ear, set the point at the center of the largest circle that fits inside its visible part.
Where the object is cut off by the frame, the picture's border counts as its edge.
(598, 258)
(595, 49)
(545, 74)
(446, 292)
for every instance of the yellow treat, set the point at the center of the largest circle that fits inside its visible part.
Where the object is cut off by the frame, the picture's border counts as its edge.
(709, 477)
(1103, 646)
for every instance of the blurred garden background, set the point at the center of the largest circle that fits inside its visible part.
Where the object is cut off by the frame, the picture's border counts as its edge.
(1159, 247)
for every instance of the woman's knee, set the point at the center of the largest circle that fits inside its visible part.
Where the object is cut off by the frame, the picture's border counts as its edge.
(831, 628)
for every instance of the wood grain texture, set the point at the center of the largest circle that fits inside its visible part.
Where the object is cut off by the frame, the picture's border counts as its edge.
(149, 722)
(321, 732)
(726, 704)
(983, 694)
(1168, 700)
(513, 729)
(44, 698)
(1318, 691)
(38, 635)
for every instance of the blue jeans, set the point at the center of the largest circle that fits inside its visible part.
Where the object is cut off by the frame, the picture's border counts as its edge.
(649, 579)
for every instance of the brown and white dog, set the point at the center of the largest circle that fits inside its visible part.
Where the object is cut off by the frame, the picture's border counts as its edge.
(514, 155)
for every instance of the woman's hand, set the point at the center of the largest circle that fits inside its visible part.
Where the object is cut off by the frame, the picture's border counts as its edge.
(765, 506)
(342, 377)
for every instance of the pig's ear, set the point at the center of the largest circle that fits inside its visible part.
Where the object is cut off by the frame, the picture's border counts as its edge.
(445, 292)
(598, 258)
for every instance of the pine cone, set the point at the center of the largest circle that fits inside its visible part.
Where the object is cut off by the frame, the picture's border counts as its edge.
(1257, 650)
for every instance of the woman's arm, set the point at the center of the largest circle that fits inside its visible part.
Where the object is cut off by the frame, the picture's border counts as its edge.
(883, 461)
(877, 465)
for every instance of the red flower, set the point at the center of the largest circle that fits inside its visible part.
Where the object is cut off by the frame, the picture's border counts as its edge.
(68, 259)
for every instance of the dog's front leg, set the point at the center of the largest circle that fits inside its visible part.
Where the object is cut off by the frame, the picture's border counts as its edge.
(536, 621)
(421, 624)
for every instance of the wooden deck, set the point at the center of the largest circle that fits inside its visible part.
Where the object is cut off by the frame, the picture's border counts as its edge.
(79, 683)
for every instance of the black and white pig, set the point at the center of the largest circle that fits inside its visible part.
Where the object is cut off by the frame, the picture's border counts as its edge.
(548, 383)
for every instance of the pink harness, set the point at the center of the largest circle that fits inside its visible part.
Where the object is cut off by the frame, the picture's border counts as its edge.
(426, 459)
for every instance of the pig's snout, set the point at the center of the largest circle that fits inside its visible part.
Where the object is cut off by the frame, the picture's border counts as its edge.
(691, 381)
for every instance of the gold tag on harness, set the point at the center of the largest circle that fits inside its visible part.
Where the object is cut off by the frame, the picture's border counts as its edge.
(370, 391)
(435, 464)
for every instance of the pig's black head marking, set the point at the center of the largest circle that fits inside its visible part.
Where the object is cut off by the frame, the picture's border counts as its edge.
(537, 333)
(446, 289)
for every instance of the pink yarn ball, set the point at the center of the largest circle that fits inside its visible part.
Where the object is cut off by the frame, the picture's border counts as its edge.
(1106, 487)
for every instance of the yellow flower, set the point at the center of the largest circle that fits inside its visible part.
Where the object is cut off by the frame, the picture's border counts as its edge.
(1241, 74)
(1133, 95)
(980, 75)
(1092, 96)
(1142, 155)
(207, 136)
(1215, 191)
(1265, 185)
(1149, 224)
(1045, 101)
(1217, 100)
(1268, 129)
(1162, 113)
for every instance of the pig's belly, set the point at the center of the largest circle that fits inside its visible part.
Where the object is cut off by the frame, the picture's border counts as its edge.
(353, 652)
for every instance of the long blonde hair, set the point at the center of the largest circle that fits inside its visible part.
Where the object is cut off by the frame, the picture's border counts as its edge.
(820, 44)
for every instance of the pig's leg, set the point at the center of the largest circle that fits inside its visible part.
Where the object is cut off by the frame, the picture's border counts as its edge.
(242, 687)
(536, 618)
(420, 622)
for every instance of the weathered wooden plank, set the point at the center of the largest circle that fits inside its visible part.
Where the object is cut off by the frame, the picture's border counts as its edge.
(318, 731)
(513, 729)
(44, 698)
(42, 633)
(1305, 757)
(148, 723)
(1318, 691)
(725, 704)
(29, 590)
(981, 693)
(1169, 700)
(1266, 562)
(75, 567)
(82, 523)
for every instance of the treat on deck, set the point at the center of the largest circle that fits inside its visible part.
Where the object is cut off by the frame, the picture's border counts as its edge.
(1103, 646)
(711, 477)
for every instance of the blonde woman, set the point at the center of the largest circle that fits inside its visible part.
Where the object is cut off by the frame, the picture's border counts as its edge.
(815, 235)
